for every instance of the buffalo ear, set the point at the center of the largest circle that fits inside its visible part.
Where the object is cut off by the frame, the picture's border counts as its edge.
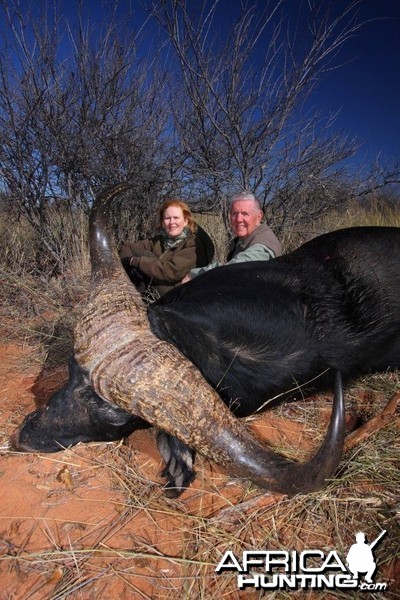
(106, 412)
(77, 376)
(113, 414)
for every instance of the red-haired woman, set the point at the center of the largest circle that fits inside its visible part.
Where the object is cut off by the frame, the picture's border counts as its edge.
(162, 261)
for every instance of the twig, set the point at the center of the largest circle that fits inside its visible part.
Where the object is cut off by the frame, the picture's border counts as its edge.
(374, 424)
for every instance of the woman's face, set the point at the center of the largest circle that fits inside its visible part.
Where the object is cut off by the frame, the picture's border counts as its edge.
(174, 221)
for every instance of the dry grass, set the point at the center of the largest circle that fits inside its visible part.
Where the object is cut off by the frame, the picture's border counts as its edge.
(364, 496)
(42, 311)
(353, 214)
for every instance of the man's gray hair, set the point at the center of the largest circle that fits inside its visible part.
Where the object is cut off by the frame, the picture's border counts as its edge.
(246, 196)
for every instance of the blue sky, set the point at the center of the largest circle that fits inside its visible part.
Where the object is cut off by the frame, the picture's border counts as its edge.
(364, 91)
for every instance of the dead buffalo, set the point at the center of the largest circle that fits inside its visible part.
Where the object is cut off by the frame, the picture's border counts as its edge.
(220, 346)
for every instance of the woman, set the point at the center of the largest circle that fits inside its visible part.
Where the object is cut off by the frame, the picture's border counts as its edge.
(162, 261)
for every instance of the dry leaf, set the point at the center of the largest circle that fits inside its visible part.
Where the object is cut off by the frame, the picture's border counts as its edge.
(65, 477)
(56, 575)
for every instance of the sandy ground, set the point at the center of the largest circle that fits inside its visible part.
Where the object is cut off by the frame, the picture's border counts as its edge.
(78, 524)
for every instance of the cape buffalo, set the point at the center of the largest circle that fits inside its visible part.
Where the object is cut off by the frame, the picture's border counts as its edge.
(220, 346)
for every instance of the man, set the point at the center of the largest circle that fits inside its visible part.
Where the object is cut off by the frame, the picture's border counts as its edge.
(254, 240)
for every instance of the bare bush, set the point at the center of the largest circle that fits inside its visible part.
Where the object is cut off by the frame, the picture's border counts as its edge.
(174, 105)
(240, 115)
(73, 123)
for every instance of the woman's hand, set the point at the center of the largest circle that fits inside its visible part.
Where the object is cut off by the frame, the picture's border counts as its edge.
(134, 261)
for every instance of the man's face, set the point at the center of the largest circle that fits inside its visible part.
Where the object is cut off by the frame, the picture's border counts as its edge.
(245, 217)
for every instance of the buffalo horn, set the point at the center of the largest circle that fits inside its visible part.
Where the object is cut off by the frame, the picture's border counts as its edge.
(130, 367)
